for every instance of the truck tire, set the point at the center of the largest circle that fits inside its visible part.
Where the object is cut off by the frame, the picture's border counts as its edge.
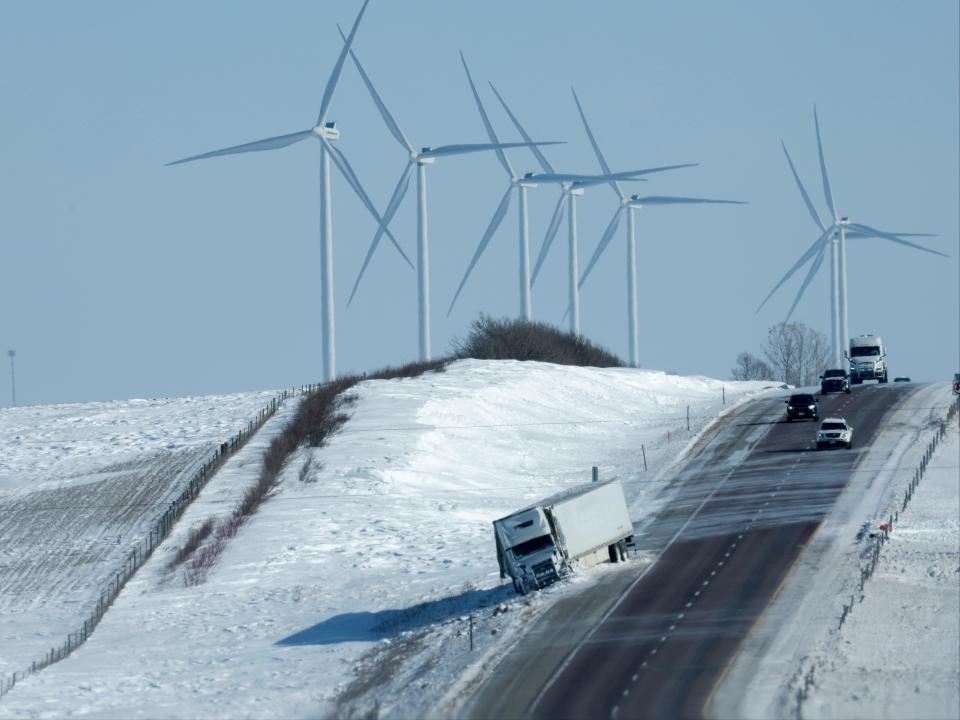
(847, 390)
(884, 378)
(849, 445)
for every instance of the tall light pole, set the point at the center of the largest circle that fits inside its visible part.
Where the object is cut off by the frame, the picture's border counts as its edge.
(13, 377)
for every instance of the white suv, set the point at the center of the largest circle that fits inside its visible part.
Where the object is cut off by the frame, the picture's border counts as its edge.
(834, 431)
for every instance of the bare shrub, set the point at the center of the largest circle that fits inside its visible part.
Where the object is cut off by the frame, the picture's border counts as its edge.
(505, 339)
(194, 538)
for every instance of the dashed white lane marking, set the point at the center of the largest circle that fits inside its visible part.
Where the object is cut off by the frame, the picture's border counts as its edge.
(626, 692)
(689, 604)
(672, 628)
(653, 652)
(635, 676)
(643, 664)
(663, 639)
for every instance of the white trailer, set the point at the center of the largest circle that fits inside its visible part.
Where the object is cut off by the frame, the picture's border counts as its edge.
(577, 528)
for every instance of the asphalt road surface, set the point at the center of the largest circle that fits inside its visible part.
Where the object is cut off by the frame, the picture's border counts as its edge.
(747, 501)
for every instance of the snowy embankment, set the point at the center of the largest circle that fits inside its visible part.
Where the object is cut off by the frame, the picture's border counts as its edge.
(353, 582)
(80, 485)
(897, 652)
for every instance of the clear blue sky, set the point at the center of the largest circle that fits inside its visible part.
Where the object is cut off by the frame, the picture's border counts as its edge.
(120, 277)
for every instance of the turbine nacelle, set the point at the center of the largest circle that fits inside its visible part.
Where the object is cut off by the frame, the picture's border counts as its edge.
(327, 131)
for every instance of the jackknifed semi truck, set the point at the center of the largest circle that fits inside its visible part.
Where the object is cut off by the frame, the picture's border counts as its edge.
(577, 528)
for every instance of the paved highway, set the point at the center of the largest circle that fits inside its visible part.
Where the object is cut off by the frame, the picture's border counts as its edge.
(747, 501)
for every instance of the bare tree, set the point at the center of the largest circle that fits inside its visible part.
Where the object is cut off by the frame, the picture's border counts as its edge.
(750, 367)
(798, 354)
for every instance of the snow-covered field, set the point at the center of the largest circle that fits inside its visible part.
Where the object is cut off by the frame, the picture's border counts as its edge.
(381, 540)
(897, 654)
(79, 486)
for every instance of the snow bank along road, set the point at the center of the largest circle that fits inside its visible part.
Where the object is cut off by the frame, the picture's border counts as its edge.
(752, 497)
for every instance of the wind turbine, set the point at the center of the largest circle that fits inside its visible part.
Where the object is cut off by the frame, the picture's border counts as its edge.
(570, 192)
(836, 237)
(419, 160)
(521, 184)
(324, 132)
(634, 202)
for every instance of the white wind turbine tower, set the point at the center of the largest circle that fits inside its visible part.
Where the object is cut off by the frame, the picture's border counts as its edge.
(836, 237)
(521, 184)
(634, 202)
(568, 196)
(419, 160)
(324, 132)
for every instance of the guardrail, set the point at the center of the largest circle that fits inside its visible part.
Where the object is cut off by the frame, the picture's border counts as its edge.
(143, 549)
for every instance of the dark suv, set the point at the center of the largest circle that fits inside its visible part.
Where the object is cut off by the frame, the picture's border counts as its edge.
(802, 406)
(834, 381)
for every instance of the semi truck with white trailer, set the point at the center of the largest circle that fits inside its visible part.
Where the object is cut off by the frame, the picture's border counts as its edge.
(577, 528)
(868, 359)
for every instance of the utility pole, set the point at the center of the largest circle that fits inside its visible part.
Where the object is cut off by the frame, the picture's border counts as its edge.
(13, 377)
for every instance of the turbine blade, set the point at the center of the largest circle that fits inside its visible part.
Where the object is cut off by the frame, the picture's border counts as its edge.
(544, 163)
(814, 267)
(341, 161)
(850, 233)
(823, 169)
(803, 191)
(602, 245)
(378, 101)
(338, 67)
(478, 147)
(255, 146)
(868, 231)
(498, 216)
(637, 201)
(398, 192)
(811, 251)
(587, 180)
(596, 148)
(551, 234)
(486, 122)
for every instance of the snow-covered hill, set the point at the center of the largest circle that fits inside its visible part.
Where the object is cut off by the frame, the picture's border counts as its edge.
(385, 529)
(363, 567)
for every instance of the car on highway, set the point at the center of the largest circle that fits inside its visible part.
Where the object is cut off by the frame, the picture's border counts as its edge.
(802, 405)
(835, 380)
(834, 431)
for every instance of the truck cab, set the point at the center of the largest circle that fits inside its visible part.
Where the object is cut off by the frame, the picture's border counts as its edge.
(867, 359)
(527, 551)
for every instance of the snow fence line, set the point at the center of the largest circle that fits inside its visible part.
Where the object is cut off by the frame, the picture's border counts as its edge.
(880, 538)
(142, 551)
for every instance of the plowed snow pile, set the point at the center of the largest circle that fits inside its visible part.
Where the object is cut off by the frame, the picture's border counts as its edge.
(382, 539)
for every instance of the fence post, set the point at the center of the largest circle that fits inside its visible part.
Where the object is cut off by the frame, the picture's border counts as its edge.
(644, 451)
(596, 477)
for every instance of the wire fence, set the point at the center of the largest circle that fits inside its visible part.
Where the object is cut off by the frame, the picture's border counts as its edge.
(143, 549)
